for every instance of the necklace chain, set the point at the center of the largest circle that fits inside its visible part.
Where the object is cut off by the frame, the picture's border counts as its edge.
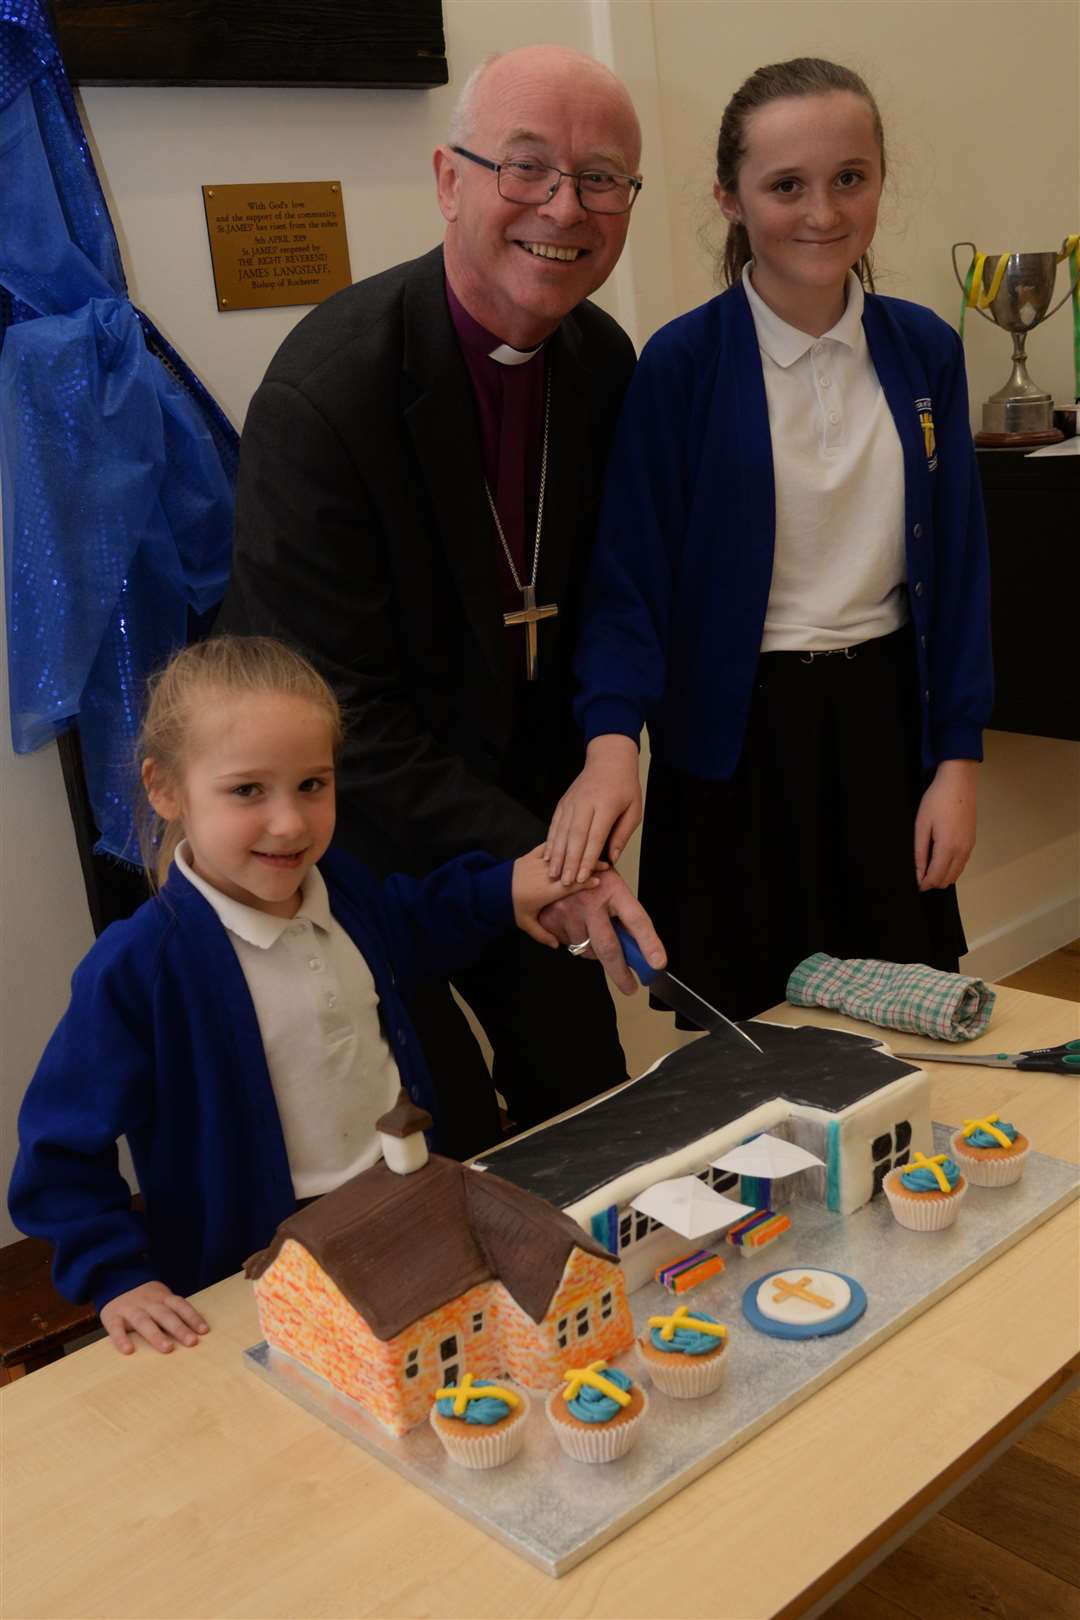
(539, 502)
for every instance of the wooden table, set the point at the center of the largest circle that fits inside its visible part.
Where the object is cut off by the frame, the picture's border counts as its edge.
(182, 1486)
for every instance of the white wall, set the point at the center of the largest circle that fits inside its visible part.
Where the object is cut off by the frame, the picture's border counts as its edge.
(44, 923)
(982, 127)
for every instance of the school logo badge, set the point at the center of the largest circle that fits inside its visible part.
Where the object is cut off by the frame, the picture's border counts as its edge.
(926, 422)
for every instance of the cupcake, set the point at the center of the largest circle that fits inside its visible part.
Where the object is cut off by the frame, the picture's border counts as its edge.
(926, 1193)
(597, 1414)
(684, 1354)
(990, 1151)
(480, 1425)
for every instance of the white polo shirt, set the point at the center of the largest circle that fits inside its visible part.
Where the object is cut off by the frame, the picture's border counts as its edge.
(331, 1068)
(839, 567)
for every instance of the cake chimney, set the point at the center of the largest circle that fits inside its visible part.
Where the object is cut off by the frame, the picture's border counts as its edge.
(401, 1135)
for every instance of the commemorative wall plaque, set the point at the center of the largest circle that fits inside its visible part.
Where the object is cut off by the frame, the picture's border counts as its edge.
(274, 244)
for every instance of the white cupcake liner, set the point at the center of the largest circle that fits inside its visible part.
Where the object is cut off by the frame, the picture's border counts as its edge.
(599, 1442)
(684, 1379)
(923, 1214)
(989, 1172)
(478, 1447)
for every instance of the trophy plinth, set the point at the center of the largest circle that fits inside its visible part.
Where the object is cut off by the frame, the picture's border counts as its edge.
(1014, 291)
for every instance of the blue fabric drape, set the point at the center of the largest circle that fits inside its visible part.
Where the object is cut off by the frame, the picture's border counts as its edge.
(117, 467)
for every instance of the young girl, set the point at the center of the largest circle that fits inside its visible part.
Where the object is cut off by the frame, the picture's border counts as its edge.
(248, 1025)
(791, 586)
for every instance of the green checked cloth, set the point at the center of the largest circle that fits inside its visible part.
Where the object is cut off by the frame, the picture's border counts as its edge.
(897, 995)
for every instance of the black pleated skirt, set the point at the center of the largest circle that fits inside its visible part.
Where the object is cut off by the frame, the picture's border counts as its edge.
(810, 845)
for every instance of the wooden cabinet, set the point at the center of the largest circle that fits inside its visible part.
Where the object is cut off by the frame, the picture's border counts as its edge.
(1033, 518)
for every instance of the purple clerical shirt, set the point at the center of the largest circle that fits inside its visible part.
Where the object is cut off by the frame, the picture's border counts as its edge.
(510, 406)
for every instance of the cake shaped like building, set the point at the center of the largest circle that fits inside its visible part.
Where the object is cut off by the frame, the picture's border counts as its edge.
(842, 1096)
(419, 1270)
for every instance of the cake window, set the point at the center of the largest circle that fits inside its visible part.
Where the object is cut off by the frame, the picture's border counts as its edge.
(641, 1225)
(562, 1337)
(477, 1321)
(448, 1347)
(902, 1158)
(882, 1146)
(903, 1134)
(412, 1363)
(724, 1180)
(583, 1322)
(606, 1305)
(624, 1230)
(880, 1172)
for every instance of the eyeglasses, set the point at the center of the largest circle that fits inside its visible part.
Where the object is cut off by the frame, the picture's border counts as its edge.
(533, 184)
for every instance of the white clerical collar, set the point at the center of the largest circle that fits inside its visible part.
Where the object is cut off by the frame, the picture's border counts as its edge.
(247, 922)
(507, 356)
(785, 344)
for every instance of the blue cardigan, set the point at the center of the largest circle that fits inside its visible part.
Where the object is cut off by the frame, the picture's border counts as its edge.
(161, 1044)
(679, 579)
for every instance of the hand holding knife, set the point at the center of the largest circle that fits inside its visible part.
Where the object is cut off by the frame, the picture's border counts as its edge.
(681, 999)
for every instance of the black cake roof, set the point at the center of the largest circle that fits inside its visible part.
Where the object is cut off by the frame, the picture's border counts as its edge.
(695, 1090)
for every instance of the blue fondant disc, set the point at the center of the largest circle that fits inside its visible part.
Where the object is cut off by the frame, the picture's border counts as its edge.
(810, 1330)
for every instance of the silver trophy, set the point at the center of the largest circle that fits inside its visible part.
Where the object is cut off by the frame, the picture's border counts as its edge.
(1014, 291)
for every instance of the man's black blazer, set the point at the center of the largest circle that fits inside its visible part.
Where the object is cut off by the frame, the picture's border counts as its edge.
(363, 537)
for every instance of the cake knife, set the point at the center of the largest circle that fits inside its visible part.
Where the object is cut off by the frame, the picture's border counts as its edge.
(679, 997)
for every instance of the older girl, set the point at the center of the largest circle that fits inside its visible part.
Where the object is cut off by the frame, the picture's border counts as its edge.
(790, 587)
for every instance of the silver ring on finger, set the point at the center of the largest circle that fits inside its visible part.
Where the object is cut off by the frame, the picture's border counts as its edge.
(576, 950)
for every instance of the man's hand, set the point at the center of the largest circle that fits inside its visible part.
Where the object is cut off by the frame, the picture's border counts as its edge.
(604, 800)
(154, 1313)
(588, 915)
(945, 824)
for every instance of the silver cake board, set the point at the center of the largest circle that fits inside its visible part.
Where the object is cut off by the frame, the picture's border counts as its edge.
(554, 1511)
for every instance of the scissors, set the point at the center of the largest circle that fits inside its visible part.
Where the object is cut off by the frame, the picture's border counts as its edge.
(1063, 1059)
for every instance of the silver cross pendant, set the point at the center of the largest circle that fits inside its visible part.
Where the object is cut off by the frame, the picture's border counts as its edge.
(530, 615)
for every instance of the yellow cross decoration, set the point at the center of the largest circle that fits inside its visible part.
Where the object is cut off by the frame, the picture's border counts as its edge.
(461, 1394)
(575, 1377)
(681, 1318)
(921, 1162)
(927, 423)
(989, 1125)
(799, 1290)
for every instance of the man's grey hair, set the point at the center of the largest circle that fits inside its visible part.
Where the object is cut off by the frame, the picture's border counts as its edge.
(461, 119)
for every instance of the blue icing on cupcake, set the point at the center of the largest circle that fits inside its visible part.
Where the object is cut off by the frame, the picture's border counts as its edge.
(486, 1409)
(924, 1181)
(686, 1340)
(591, 1405)
(983, 1139)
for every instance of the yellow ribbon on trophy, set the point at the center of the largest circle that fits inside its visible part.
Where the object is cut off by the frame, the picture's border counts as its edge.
(976, 297)
(1070, 249)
